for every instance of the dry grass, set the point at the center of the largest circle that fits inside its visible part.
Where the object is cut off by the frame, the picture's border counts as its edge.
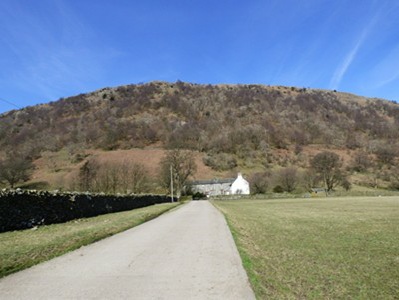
(151, 158)
(22, 249)
(335, 248)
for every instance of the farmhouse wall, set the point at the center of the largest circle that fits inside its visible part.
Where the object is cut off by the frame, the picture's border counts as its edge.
(240, 186)
(212, 189)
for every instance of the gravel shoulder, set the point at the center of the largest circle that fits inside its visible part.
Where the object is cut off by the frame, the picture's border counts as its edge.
(188, 253)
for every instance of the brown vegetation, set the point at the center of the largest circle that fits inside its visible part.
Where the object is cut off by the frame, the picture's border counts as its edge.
(15, 169)
(250, 127)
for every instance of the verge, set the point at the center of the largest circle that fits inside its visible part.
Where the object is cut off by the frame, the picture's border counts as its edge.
(23, 249)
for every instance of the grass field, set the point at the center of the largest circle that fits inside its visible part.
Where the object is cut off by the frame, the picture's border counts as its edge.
(22, 249)
(330, 248)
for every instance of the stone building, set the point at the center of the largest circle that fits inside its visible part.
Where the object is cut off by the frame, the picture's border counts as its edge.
(215, 187)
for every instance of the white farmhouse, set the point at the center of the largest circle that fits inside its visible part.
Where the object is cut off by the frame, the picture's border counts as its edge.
(240, 186)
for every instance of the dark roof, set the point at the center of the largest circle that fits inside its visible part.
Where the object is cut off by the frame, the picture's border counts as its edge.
(212, 181)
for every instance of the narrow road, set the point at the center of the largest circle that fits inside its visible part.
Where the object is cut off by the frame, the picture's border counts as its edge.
(188, 253)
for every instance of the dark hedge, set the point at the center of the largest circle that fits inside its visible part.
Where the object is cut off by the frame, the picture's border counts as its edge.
(20, 209)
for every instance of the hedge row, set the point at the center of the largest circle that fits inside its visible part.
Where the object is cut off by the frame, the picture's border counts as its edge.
(20, 209)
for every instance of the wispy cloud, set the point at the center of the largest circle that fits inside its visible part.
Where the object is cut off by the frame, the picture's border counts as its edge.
(347, 61)
(351, 55)
(341, 70)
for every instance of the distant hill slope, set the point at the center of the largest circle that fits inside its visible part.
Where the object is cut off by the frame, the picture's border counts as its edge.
(254, 129)
(240, 120)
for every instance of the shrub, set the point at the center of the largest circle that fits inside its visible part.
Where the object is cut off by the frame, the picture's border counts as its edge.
(386, 155)
(288, 179)
(220, 161)
(346, 184)
(199, 196)
(361, 161)
(260, 182)
(278, 189)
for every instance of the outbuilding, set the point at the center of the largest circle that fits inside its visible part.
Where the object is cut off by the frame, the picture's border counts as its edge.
(216, 187)
(213, 187)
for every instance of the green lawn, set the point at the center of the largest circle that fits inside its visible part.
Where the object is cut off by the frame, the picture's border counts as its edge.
(330, 248)
(22, 249)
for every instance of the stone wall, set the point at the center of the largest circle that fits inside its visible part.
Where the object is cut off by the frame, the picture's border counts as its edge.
(20, 209)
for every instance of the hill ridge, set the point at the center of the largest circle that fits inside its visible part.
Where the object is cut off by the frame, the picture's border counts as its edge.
(232, 125)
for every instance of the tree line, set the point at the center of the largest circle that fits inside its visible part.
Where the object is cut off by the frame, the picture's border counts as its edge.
(325, 170)
(176, 167)
(189, 116)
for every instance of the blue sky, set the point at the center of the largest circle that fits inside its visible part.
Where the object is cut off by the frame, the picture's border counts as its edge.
(57, 48)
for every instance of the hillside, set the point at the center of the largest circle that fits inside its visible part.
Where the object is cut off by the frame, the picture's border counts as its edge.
(231, 127)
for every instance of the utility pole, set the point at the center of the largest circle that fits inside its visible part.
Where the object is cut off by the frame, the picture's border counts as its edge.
(171, 182)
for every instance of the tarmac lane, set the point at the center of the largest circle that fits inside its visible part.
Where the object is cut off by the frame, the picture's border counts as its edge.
(188, 253)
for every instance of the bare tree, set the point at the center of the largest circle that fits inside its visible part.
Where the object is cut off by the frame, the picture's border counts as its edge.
(113, 177)
(138, 178)
(310, 179)
(134, 177)
(87, 175)
(260, 182)
(394, 179)
(361, 161)
(386, 154)
(328, 166)
(288, 179)
(179, 163)
(15, 170)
